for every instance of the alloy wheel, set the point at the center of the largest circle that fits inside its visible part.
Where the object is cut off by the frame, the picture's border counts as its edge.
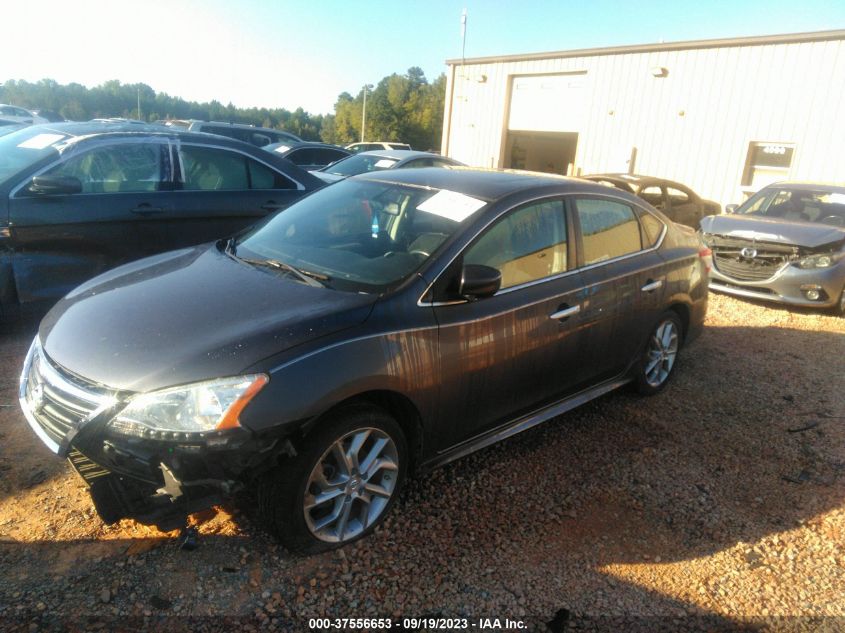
(661, 353)
(351, 485)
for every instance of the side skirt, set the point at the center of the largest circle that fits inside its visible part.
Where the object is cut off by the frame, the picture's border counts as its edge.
(521, 424)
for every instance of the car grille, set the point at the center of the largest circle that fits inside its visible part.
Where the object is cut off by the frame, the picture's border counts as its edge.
(749, 261)
(55, 400)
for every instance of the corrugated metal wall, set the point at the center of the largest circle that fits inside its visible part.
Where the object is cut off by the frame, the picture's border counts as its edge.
(693, 125)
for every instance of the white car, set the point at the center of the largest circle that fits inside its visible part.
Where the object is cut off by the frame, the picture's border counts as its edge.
(15, 114)
(374, 146)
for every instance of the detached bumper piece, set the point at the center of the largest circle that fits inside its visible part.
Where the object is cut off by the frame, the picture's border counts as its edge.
(117, 497)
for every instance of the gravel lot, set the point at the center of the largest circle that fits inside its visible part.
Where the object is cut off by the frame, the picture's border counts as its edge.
(717, 505)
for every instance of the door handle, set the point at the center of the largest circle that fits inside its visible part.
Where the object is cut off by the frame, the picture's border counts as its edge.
(651, 286)
(271, 206)
(146, 209)
(565, 313)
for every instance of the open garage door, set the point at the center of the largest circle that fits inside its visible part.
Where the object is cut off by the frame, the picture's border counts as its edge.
(552, 152)
(546, 114)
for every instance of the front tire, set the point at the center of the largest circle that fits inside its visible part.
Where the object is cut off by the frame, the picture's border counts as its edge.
(341, 484)
(839, 308)
(657, 363)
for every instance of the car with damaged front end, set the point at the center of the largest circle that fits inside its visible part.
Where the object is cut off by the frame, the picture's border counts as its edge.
(384, 325)
(785, 244)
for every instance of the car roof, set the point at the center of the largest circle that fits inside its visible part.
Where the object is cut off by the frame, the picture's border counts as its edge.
(399, 154)
(631, 179)
(314, 144)
(807, 186)
(488, 184)
(98, 128)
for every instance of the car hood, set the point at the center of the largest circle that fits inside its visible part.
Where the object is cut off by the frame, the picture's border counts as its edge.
(188, 315)
(773, 230)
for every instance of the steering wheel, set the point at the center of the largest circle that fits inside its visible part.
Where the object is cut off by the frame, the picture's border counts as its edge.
(419, 252)
(835, 220)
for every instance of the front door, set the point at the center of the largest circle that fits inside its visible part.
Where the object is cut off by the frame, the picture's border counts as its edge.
(517, 350)
(59, 241)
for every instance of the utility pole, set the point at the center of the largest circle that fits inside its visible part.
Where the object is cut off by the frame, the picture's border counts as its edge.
(139, 105)
(364, 114)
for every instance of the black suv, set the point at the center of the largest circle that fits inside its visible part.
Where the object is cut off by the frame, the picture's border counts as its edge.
(388, 323)
(79, 198)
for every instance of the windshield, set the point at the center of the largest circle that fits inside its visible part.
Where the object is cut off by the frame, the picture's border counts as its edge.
(798, 205)
(360, 164)
(360, 236)
(24, 148)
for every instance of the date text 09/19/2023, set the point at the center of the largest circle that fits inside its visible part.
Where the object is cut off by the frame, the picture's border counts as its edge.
(414, 624)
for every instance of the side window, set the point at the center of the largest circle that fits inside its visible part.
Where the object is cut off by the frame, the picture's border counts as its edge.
(653, 194)
(262, 177)
(126, 168)
(212, 169)
(526, 245)
(608, 229)
(440, 163)
(676, 196)
(420, 162)
(652, 228)
(304, 156)
(326, 156)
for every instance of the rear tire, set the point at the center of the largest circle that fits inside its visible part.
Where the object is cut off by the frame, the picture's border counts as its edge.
(657, 362)
(342, 483)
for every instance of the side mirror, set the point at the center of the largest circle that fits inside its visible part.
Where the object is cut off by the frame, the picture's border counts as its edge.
(478, 281)
(55, 185)
(731, 208)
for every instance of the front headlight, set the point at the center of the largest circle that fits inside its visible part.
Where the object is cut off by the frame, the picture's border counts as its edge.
(189, 409)
(825, 260)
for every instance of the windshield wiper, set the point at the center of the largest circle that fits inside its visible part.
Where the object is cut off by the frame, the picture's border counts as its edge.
(307, 276)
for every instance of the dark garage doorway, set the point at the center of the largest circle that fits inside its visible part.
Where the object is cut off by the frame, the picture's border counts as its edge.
(552, 152)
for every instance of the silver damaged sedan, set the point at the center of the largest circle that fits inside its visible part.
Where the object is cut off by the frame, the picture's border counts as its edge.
(786, 244)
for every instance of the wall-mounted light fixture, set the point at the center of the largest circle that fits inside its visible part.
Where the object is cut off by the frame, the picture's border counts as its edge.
(659, 71)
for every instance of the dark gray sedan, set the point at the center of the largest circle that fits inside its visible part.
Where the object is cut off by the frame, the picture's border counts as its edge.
(79, 198)
(384, 325)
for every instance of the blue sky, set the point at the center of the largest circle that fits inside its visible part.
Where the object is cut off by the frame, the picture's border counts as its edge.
(282, 53)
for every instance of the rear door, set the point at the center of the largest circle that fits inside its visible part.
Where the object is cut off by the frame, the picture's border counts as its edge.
(626, 278)
(220, 191)
(60, 241)
(518, 349)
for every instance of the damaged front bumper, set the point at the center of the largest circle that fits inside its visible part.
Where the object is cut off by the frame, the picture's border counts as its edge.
(155, 481)
(792, 286)
(773, 271)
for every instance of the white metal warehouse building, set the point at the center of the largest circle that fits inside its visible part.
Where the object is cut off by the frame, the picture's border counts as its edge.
(724, 117)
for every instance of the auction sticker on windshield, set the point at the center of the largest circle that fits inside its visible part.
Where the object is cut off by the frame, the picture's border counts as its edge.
(40, 141)
(451, 205)
(385, 163)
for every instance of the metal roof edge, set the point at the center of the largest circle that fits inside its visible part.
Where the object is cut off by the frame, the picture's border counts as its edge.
(757, 40)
